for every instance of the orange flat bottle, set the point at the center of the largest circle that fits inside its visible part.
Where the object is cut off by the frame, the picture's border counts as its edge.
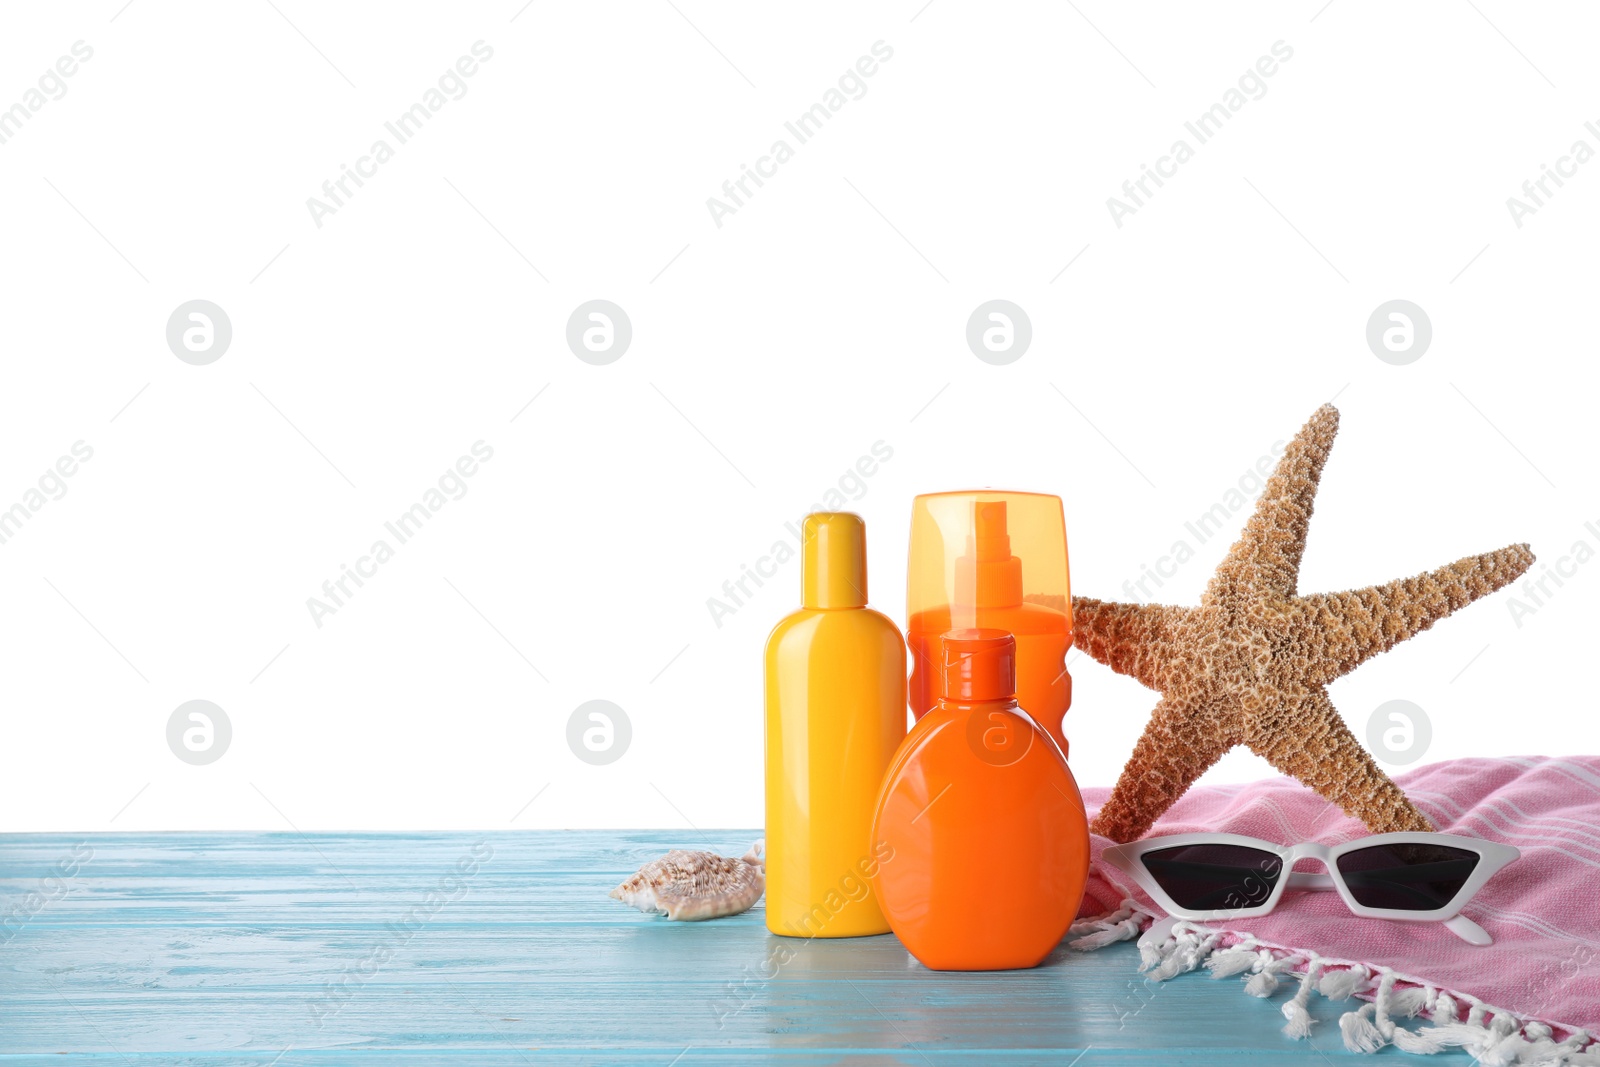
(980, 826)
(996, 560)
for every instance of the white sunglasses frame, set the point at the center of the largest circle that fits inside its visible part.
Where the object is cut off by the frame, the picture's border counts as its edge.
(1492, 857)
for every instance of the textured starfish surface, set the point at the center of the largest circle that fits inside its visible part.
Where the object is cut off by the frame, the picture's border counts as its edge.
(1249, 666)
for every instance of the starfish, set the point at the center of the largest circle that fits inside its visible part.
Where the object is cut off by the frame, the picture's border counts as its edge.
(1251, 664)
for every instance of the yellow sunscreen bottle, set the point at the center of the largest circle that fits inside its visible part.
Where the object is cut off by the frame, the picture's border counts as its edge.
(836, 691)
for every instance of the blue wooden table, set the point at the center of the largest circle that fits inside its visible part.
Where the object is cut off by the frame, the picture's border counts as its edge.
(503, 949)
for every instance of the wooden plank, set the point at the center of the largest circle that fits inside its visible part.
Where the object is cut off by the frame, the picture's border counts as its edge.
(215, 949)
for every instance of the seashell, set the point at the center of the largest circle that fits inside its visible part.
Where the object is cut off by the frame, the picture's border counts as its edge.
(689, 886)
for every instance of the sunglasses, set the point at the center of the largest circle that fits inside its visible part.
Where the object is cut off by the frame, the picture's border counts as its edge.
(1407, 876)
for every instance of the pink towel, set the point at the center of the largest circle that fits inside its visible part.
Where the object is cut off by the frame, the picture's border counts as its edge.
(1543, 910)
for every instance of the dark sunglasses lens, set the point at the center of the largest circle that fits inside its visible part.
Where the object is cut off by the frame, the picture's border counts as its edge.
(1406, 877)
(1205, 877)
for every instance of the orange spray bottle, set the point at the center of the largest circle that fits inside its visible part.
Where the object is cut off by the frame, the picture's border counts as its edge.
(981, 820)
(993, 559)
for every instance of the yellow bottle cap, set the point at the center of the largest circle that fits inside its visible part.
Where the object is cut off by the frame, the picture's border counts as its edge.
(833, 561)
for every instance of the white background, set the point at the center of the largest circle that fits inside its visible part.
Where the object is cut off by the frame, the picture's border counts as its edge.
(768, 354)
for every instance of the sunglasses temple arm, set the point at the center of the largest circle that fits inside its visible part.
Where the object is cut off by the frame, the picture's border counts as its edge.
(1468, 931)
(1159, 931)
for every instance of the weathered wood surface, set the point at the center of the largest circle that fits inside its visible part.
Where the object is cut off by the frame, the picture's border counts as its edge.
(326, 949)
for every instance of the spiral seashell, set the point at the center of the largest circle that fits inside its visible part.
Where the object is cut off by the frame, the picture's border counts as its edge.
(689, 886)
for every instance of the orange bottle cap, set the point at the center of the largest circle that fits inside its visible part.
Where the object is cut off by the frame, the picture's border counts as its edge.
(978, 665)
(833, 561)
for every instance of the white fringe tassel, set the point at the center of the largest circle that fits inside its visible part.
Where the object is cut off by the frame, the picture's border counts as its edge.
(1496, 1038)
(1120, 925)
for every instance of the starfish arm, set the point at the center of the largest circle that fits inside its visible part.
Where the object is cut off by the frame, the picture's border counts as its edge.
(1266, 558)
(1176, 748)
(1128, 638)
(1309, 740)
(1347, 629)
